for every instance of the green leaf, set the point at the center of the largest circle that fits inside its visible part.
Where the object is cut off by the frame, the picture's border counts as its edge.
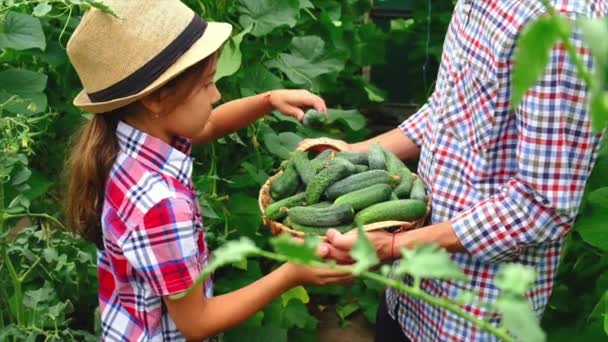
(374, 94)
(256, 334)
(595, 32)
(25, 89)
(229, 253)
(42, 9)
(303, 71)
(352, 118)
(532, 55)
(308, 47)
(401, 25)
(298, 292)
(259, 79)
(519, 319)
(599, 198)
(515, 278)
(285, 245)
(21, 32)
(592, 229)
(606, 313)
(295, 314)
(290, 140)
(428, 261)
(369, 45)
(22, 176)
(231, 57)
(275, 146)
(363, 253)
(267, 15)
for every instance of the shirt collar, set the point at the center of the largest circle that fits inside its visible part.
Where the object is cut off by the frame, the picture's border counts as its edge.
(172, 160)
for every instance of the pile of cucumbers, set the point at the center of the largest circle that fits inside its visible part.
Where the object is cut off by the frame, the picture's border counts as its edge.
(344, 189)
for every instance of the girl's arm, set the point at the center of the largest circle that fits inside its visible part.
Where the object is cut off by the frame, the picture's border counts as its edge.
(197, 317)
(237, 114)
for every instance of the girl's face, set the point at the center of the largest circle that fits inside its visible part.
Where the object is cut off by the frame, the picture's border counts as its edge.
(190, 115)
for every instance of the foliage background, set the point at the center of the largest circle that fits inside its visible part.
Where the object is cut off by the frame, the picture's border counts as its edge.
(48, 278)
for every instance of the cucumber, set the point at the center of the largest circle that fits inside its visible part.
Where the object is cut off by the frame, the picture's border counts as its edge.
(313, 230)
(405, 184)
(363, 198)
(314, 118)
(302, 164)
(322, 217)
(286, 183)
(325, 204)
(400, 210)
(320, 162)
(361, 168)
(323, 180)
(418, 191)
(357, 182)
(350, 167)
(396, 167)
(277, 210)
(376, 158)
(354, 157)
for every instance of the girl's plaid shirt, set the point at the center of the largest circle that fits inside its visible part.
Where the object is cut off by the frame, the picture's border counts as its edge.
(153, 237)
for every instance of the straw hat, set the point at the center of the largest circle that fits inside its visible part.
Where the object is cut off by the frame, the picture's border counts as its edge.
(120, 60)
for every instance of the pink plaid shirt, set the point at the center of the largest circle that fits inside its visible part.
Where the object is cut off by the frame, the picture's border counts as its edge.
(510, 181)
(153, 237)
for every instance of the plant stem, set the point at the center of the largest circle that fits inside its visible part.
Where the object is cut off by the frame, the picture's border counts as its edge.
(44, 216)
(17, 285)
(565, 37)
(412, 291)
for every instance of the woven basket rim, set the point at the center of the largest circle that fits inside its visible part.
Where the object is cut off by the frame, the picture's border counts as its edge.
(264, 200)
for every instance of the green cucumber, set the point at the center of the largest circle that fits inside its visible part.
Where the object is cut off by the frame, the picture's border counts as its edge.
(363, 198)
(314, 118)
(418, 191)
(302, 164)
(324, 204)
(277, 210)
(321, 161)
(354, 157)
(286, 183)
(376, 158)
(400, 210)
(323, 180)
(313, 230)
(396, 167)
(361, 168)
(350, 167)
(322, 217)
(406, 179)
(357, 182)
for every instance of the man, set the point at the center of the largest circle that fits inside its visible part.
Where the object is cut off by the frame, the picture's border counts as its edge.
(505, 183)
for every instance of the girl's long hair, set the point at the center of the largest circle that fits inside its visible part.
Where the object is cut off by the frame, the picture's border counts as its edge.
(95, 151)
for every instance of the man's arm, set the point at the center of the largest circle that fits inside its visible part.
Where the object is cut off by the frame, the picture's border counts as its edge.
(404, 141)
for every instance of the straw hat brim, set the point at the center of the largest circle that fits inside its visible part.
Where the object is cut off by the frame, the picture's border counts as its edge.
(215, 35)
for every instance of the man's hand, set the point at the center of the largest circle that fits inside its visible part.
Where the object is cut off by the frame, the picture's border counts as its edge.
(290, 102)
(338, 245)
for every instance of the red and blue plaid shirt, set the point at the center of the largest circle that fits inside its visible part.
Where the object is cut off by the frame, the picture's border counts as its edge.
(153, 237)
(509, 181)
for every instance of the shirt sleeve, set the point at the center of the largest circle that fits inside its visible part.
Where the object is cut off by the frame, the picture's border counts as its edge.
(414, 126)
(163, 249)
(556, 150)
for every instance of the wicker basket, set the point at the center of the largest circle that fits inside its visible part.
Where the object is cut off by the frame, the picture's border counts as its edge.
(264, 198)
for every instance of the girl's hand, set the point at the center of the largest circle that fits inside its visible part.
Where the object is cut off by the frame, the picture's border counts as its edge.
(290, 102)
(308, 275)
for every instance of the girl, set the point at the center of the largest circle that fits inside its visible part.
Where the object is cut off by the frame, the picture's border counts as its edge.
(148, 74)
